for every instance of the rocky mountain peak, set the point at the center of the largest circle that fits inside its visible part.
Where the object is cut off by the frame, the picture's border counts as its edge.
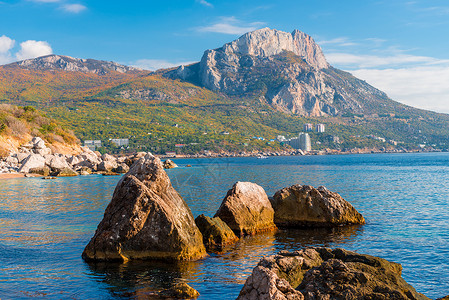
(266, 42)
(67, 63)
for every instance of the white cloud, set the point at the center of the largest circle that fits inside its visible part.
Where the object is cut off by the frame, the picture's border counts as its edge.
(156, 64)
(341, 41)
(6, 44)
(205, 3)
(423, 87)
(74, 8)
(230, 25)
(32, 49)
(352, 61)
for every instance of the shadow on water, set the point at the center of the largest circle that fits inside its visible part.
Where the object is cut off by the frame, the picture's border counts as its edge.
(140, 279)
(219, 275)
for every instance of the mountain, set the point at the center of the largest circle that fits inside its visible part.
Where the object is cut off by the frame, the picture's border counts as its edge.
(238, 98)
(67, 63)
(286, 70)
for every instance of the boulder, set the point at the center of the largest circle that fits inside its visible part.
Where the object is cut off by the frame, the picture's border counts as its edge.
(33, 161)
(84, 171)
(169, 164)
(303, 206)
(38, 143)
(246, 209)
(44, 171)
(107, 165)
(146, 219)
(121, 168)
(57, 162)
(64, 172)
(180, 291)
(323, 273)
(216, 234)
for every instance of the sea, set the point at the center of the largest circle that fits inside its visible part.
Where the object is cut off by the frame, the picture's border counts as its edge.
(45, 225)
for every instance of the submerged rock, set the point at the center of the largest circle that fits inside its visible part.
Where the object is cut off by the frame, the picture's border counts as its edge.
(216, 234)
(246, 209)
(146, 219)
(302, 206)
(322, 273)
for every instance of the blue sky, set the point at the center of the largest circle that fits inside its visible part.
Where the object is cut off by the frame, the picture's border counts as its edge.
(401, 47)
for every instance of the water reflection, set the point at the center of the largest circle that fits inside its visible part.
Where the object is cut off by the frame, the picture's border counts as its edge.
(226, 270)
(141, 279)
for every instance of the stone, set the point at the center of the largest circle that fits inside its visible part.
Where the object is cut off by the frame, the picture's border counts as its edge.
(304, 206)
(323, 273)
(38, 143)
(181, 291)
(42, 151)
(169, 164)
(64, 172)
(44, 171)
(84, 171)
(56, 162)
(121, 168)
(246, 209)
(146, 219)
(48, 177)
(107, 165)
(33, 161)
(216, 233)
(444, 298)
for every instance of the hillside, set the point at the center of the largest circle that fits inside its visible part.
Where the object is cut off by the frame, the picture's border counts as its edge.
(19, 124)
(239, 97)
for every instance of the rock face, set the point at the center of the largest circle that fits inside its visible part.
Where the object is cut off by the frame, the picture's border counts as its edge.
(216, 234)
(67, 63)
(303, 206)
(322, 273)
(286, 70)
(146, 219)
(246, 209)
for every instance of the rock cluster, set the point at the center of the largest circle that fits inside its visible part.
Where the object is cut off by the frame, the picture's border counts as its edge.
(146, 219)
(323, 273)
(303, 206)
(35, 157)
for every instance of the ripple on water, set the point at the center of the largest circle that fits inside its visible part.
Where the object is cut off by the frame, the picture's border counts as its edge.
(45, 225)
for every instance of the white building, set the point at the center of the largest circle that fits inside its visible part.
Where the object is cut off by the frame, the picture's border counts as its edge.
(120, 142)
(308, 127)
(92, 144)
(320, 128)
(301, 142)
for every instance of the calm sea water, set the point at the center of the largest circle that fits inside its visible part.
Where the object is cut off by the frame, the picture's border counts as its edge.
(45, 224)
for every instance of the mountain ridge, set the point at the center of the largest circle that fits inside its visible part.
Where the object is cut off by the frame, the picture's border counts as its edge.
(67, 63)
(272, 93)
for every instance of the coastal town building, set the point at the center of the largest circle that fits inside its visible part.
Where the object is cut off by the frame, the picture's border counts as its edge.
(302, 142)
(320, 128)
(308, 127)
(120, 142)
(92, 144)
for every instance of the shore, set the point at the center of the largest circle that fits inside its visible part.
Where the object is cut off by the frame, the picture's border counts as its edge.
(16, 175)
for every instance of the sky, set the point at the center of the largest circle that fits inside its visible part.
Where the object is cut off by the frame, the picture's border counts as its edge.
(398, 46)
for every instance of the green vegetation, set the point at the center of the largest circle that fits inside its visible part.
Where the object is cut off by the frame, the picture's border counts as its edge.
(156, 113)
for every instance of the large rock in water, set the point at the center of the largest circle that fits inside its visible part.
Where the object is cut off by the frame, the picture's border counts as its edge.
(146, 219)
(216, 233)
(302, 206)
(322, 273)
(246, 209)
